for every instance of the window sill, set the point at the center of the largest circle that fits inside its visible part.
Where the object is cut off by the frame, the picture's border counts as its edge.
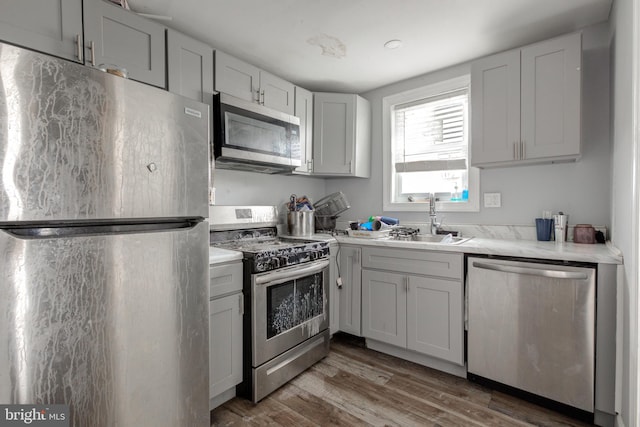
(424, 206)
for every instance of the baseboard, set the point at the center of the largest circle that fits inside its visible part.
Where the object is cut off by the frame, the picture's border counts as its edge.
(218, 400)
(420, 359)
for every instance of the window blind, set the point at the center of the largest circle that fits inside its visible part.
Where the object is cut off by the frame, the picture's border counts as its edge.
(430, 133)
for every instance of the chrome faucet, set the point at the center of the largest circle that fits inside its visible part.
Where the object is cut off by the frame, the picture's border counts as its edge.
(433, 225)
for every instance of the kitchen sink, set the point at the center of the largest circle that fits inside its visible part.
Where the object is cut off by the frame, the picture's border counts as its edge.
(442, 239)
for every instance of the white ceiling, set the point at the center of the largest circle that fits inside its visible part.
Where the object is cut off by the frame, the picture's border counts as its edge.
(337, 45)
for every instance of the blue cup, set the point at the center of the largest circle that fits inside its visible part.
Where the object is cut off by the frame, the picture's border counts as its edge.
(544, 229)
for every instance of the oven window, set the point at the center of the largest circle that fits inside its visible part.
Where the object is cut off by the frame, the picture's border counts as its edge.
(291, 303)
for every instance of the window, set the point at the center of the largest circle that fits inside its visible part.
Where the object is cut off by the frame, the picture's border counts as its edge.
(427, 145)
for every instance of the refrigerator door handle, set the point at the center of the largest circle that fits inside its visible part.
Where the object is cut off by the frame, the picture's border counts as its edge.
(78, 230)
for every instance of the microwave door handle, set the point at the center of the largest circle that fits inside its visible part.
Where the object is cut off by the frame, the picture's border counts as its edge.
(280, 276)
(554, 274)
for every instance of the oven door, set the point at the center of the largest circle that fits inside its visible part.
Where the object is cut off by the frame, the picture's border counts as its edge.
(289, 305)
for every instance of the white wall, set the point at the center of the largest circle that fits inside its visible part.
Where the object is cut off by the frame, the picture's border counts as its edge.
(624, 199)
(249, 188)
(580, 189)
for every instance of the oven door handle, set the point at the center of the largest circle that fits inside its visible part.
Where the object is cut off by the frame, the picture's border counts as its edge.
(291, 273)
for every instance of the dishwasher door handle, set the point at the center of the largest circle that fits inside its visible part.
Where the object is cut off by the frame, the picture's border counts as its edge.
(555, 274)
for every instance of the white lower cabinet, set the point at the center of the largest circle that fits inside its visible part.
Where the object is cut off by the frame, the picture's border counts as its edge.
(334, 301)
(435, 318)
(414, 311)
(225, 332)
(384, 307)
(350, 272)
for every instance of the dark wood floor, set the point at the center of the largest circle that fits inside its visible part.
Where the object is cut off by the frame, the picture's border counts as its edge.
(354, 386)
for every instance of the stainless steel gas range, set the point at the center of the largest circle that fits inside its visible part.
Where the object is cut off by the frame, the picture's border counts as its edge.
(286, 296)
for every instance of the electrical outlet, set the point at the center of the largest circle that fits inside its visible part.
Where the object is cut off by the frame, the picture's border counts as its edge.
(492, 200)
(339, 282)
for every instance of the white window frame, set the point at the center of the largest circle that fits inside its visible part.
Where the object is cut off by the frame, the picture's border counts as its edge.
(473, 203)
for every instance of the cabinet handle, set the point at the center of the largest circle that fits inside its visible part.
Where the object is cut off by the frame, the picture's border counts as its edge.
(92, 46)
(258, 96)
(262, 97)
(515, 151)
(78, 48)
(406, 284)
(241, 299)
(309, 165)
(523, 154)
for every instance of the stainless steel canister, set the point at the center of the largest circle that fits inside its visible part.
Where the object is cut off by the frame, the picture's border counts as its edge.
(300, 223)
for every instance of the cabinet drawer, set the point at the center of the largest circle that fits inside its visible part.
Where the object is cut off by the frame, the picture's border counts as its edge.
(225, 278)
(439, 264)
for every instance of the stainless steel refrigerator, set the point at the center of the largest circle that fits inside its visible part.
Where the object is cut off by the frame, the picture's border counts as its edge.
(103, 245)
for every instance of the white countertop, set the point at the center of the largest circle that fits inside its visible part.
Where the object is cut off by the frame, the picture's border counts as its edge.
(219, 255)
(596, 253)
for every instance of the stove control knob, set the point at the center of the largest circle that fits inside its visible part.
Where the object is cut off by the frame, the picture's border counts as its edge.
(274, 262)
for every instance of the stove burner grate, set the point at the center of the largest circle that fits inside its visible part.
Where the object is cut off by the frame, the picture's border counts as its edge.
(264, 251)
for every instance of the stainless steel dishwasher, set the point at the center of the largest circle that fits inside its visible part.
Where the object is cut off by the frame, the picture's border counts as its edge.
(531, 326)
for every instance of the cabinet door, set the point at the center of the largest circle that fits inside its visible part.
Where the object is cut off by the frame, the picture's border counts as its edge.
(277, 93)
(333, 133)
(225, 343)
(362, 140)
(334, 300)
(119, 37)
(304, 111)
(384, 307)
(53, 26)
(189, 67)
(551, 80)
(236, 77)
(495, 108)
(435, 318)
(350, 293)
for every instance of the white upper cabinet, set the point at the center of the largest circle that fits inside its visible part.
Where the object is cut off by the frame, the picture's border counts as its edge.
(341, 135)
(236, 77)
(551, 82)
(304, 111)
(53, 26)
(113, 36)
(495, 107)
(525, 104)
(245, 81)
(118, 37)
(277, 93)
(189, 67)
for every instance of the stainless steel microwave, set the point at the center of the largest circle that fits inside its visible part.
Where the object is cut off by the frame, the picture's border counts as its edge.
(252, 137)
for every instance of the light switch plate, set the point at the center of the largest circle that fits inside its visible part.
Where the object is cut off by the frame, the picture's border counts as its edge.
(492, 200)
